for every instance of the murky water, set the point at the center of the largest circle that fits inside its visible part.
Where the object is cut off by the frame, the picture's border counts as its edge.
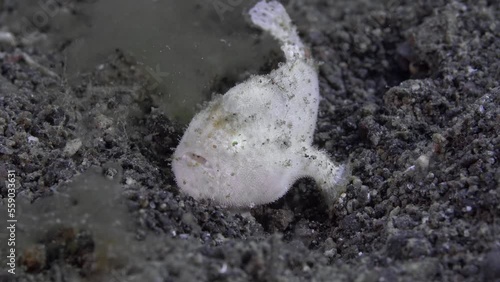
(187, 47)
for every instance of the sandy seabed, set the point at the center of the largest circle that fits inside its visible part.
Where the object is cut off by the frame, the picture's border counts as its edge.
(411, 99)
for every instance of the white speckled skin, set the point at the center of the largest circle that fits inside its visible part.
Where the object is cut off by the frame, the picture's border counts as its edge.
(249, 146)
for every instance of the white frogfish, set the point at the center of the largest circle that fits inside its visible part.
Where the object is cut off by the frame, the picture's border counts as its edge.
(250, 145)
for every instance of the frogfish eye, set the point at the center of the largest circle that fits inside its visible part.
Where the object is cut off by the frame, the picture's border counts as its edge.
(195, 160)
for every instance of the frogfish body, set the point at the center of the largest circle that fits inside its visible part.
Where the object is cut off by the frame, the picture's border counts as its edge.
(250, 145)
